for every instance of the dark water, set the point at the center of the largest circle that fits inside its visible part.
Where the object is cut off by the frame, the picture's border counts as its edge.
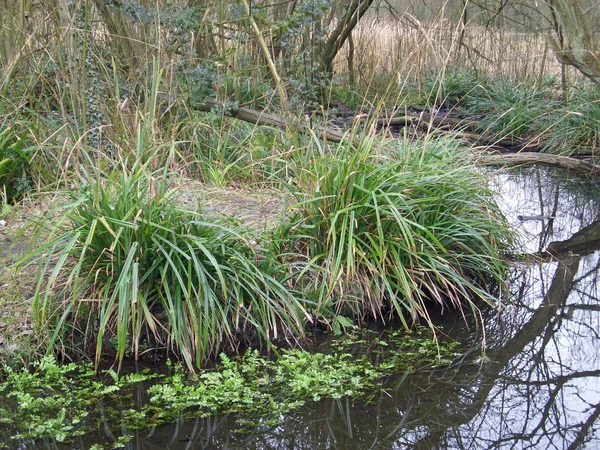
(536, 387)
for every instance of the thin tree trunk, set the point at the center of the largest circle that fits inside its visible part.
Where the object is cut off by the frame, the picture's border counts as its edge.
(355, 11)
(128, 43)
(352, 78)
(283, 98)
(576, 43)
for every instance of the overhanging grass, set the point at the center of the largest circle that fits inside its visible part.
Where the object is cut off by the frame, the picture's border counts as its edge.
(395, 232)
(127, 263)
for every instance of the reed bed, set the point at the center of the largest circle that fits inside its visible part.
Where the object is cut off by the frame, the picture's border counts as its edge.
(407, 48)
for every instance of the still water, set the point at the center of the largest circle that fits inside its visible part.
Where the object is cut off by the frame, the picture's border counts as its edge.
(536, 387)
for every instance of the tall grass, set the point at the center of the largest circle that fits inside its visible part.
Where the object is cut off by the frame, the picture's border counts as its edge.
(508, 109)
(575, 126)
(225, 152)
(395, 232)
(127, 263)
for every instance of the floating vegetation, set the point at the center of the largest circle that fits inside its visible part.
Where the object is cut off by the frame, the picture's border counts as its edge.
(65, 401)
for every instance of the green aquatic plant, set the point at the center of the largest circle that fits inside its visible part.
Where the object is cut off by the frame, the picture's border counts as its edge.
(64, 401)
(126, 262)
(55, 400)
(398, 231)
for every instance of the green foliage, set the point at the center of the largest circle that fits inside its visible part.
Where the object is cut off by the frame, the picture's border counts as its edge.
(399, 231)
(534, 112)
(129, 260)
(302, 38)
(61, 401)
(246, 90)
(509, 109)
(223, 150)
(197, 81)
(576, 125)
(15, 158)
(348, 95)
(230, 152)
(450, 88)
(55, 400)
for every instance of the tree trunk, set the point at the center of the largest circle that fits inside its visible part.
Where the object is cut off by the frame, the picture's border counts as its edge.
(129, 45)
(14, 32)
(351, 76)
(353, 13)
(576, 42)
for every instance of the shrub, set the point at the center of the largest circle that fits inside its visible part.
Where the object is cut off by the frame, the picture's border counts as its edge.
(15, 179)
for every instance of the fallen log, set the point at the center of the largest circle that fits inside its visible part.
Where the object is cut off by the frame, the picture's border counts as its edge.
(425, 120)
(334, 135)
(262, 118)
(529, 158)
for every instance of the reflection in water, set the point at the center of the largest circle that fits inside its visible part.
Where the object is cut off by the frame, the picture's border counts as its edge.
(537, 386)
(565, 206)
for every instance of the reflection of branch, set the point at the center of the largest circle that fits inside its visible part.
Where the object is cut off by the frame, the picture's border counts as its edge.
(584, 242)
(593, 271)
(539, 321)
(582, 434)
(559, 380)
(580, 307)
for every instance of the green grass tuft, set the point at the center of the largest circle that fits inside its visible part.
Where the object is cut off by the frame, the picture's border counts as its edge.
(127, 263)
(395, 232)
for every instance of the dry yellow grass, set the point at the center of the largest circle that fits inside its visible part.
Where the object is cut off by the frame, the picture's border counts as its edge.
(404, 48)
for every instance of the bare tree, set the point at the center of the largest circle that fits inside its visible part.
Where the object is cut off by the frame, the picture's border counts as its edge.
(352, 13)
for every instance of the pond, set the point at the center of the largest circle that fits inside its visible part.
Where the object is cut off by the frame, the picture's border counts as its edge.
(536, 386)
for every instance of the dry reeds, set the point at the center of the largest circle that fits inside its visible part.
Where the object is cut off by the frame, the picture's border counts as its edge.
(407, 47)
